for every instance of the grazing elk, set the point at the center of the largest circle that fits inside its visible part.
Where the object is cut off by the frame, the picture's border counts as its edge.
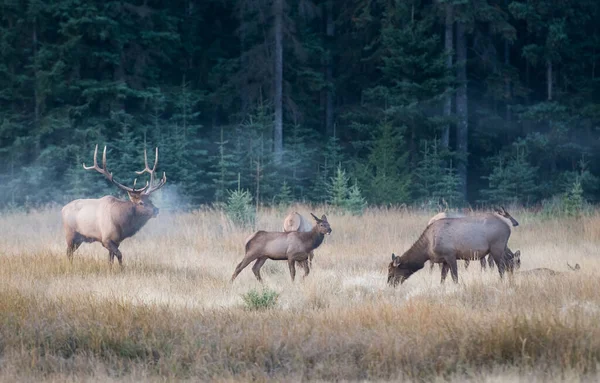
(449, 239)
(296, 222)
(502, 213)
(109, 220)
(293, 246)
(545, 272)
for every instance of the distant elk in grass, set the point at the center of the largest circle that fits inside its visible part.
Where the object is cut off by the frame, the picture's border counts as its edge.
(109, 220)
(449, 239)
(545, 272)
(293, 246)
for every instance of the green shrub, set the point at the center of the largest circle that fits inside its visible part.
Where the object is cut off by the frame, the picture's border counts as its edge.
(255, 300)
(239, 207)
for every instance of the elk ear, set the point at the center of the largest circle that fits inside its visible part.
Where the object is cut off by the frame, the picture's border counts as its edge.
(394, 257)
(518, 254)
(315, 217)
(323, 217)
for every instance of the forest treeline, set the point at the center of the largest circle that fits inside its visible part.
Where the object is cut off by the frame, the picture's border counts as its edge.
(472, 101)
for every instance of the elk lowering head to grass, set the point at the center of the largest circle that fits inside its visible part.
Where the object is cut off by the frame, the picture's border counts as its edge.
(109, 220)
(293, 246)
(446, 240)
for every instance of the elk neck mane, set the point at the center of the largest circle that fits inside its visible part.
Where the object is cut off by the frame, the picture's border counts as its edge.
(417, 253)
(127, 216)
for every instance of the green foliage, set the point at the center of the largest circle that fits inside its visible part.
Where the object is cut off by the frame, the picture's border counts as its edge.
(364, 85)
(260, 300)
(239, 207)
(512, 180)
(573, 200)
(284, 197)
(355, 203)
(338, 188)
(433, 180)
(346, 197)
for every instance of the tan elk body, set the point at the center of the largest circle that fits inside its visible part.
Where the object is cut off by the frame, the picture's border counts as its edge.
(296, 222)
(109, 220)
(516, 263)
(293, 246)
(449, 239)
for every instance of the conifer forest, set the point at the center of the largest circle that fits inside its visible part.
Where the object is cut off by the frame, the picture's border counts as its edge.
(379, 102)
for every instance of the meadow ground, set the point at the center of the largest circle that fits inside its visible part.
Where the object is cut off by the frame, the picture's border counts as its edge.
(172, 314)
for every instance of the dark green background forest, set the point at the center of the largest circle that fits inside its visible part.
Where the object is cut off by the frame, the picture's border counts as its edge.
(472, 101)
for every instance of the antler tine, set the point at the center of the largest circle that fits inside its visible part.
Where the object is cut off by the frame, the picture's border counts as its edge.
(106, 173)
(151, 187)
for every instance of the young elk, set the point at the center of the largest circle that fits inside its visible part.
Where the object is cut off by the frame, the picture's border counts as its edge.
(109, 220)
(292, 246)
(545, 272)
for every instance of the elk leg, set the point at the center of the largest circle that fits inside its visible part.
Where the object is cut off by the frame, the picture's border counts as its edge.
(292, 265)
(306, 268)
(499, 259)
(491, 262)
(453, 269)
(245, 262)
(482, 262)
(113, 250)
(445, 269)
(256, 268)
(311, 255)
(73, 243)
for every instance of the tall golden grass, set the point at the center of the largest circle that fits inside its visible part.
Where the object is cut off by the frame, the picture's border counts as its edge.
(171, 313)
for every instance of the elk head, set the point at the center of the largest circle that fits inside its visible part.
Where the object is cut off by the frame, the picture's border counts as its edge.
(503, 213)
(139, 197)
(398, 272)
(322, 224)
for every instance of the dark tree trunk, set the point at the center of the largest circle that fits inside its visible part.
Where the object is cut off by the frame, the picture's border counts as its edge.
(278, 96)
(448, 46)
(549, 79)
(462, 128)
(330, 33)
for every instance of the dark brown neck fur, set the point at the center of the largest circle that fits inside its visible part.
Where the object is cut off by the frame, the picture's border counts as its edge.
(415, 257)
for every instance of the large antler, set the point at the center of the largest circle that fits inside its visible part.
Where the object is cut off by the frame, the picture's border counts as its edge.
(109, 176)
(152, 188)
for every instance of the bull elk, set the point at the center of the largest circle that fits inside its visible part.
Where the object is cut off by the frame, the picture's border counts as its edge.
(447, 240)
(109, 220)
(291, 246)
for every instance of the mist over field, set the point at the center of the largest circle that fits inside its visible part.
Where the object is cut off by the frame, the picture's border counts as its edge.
(172, 314)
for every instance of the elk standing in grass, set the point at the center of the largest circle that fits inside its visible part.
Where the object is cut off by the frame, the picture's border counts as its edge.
(109, 220)
(293, 246)
(447, 240)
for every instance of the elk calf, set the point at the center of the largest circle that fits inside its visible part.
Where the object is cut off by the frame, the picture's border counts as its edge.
(109, 220)
(293, 246)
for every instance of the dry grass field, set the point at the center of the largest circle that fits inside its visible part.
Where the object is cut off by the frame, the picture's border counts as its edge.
(172, 314)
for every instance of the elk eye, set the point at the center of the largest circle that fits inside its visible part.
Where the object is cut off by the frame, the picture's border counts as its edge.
(142, 203)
